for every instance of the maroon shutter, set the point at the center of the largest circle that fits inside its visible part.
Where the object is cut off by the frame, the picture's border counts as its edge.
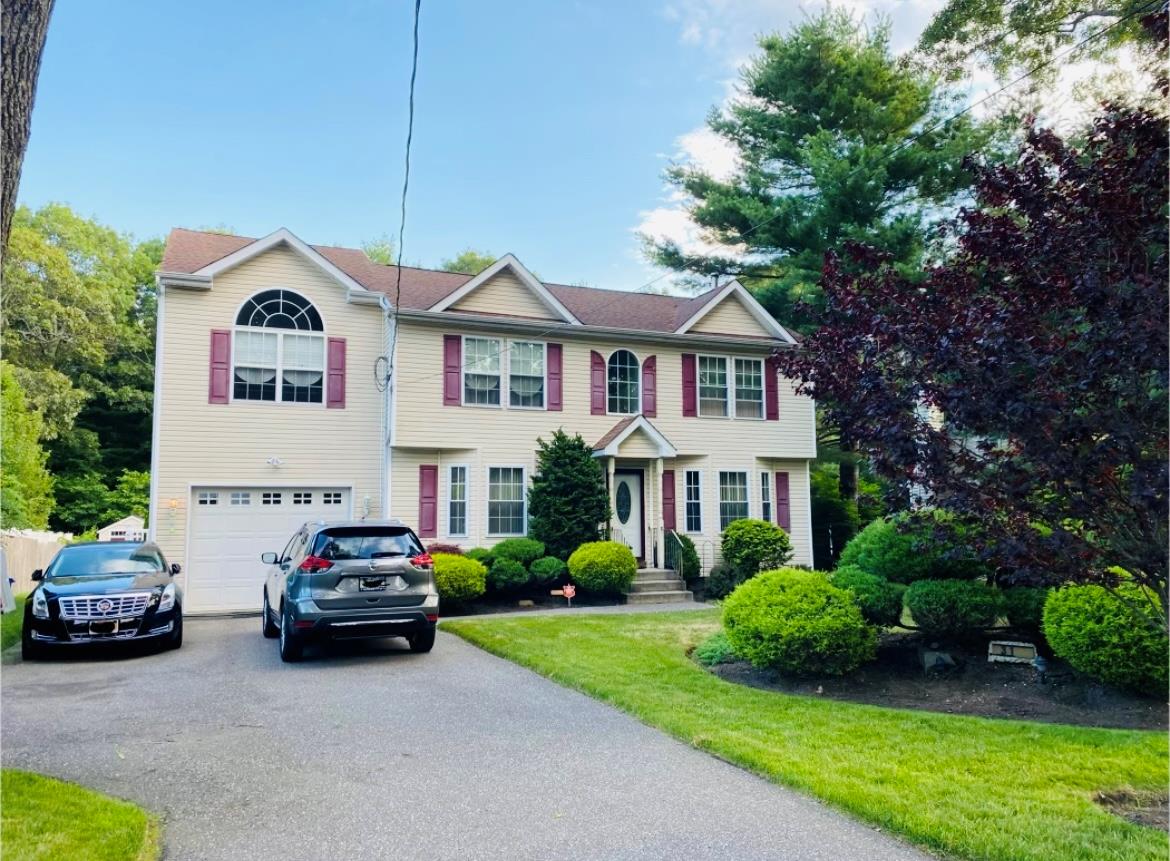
(783, 510)
(650, 387)
(668, 516)
(555, 387)
(335, 389)
(596, 383)
(452, 359)
(220, 369)
(690, 392)
(772, 389)
(428, 503)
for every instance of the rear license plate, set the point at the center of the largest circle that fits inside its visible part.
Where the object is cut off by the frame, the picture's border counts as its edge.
(372, 584)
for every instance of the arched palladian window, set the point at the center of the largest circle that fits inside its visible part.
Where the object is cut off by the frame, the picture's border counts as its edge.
(278, 349)
(623, 383)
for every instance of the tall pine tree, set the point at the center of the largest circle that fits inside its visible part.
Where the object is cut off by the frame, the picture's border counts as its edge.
(568, 503)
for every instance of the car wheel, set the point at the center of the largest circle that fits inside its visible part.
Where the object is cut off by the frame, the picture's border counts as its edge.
(176, 639)
(270, 629)
(30, 649)
(423, 641)
(291, 647)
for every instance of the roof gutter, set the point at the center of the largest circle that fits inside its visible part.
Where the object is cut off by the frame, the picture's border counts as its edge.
(184, 280)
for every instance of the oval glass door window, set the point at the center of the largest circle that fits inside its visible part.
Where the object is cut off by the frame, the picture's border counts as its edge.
(623, 502)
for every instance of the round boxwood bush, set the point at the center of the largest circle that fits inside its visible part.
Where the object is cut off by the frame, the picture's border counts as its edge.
(905, 548)
(459, 578)
(1119, 640)
(547, 569)
(952, 609)
(721, 581)
(523, 550)
(750, 546)
(605, 567)
(1024, 606)
(507, 574)
(798, 623)
(482, 555)
(879, 599)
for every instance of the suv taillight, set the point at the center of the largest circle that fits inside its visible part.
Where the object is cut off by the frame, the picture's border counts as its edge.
(315, 565)
(423, 561)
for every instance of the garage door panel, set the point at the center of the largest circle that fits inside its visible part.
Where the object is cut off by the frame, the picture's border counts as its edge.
(232, 526)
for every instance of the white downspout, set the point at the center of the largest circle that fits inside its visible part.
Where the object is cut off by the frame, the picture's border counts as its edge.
(387, 402)
(156, 411)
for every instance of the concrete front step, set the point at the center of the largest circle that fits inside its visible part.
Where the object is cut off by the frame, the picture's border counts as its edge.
(672, 585)
(664, 597)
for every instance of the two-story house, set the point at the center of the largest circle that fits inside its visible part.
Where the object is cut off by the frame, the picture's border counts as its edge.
(297, 382)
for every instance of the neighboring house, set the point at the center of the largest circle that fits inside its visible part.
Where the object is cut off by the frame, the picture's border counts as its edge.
(132, 528)
(273, 405)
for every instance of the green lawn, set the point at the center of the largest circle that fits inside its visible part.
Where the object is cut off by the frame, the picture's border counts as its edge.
(11, 623)
(46, 820)
(968, 787)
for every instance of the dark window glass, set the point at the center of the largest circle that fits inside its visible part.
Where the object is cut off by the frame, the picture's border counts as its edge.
(89, 560)
(361, 542)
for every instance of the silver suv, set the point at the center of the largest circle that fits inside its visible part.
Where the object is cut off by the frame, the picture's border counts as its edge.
(347, 580)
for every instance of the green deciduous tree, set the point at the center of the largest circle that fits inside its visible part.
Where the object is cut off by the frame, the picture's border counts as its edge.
(26, 488)
(468, 261)
(567, 503)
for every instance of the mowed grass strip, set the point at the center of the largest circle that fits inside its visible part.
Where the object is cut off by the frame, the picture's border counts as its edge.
(43, 819)
(976, 788)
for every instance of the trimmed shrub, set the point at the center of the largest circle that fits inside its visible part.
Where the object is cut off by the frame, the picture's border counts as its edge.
(482, 555)
(547, 569)
(715, 650)
(879, 599)
(459, 578)
(523, 550)
(952, 609)
(688, 557)
(1121, 641)
(721, 581)
(798, 623)
(1024, 606)
(751, 546)
(506, 574)
(605, 567)
(904, 549)
(439, 547)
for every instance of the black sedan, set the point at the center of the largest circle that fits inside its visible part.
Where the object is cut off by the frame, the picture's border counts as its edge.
(103, 592)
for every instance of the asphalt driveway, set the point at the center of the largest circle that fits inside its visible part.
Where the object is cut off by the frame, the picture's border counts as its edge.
(371, 752)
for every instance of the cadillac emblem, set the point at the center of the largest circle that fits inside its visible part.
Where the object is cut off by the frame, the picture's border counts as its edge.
(105, 605)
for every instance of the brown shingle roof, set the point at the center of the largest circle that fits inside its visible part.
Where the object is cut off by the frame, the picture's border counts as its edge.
(188, 251)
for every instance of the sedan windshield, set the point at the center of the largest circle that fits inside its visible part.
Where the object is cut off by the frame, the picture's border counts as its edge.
(366, 543)
(95, 560)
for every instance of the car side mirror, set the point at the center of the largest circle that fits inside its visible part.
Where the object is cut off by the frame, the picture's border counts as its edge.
(175, 569)
(38, 575)
(268, 558)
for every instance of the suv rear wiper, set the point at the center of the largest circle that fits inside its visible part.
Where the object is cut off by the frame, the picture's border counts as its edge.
(385, 555)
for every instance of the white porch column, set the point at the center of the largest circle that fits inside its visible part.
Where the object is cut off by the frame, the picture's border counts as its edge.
(610, 467)
(659, 523)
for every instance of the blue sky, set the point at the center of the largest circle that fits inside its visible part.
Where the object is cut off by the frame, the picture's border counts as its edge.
(541, 128)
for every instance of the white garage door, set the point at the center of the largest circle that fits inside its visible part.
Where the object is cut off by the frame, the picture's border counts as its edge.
(232, 526)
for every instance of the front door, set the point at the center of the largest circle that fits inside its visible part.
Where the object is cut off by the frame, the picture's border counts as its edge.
(628, 510)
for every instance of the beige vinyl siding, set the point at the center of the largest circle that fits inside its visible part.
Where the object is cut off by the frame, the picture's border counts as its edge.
(504, 294)
(638, 444)
(229, 444)
(730, 317)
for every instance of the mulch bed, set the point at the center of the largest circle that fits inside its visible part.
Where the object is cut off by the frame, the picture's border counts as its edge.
(1152, 809)
(973, 687)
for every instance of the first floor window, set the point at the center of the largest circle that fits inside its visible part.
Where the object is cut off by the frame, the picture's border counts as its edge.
(526, 374)
(457, 501)
(766, 496)
(506, 515)
(749, 389)
(713, 386)
(694, 501)
(481, 371)
(733, 497)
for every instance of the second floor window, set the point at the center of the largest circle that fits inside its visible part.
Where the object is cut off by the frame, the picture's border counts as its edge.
(623, 383)
(526, 374)
(749, 389)
(481, 371)
(277, 355)
(712, 386)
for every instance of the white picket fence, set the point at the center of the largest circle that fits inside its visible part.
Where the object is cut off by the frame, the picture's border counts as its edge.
(26, 550)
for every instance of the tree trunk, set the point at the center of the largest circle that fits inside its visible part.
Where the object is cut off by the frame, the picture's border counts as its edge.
(25, 23)
(847, 478)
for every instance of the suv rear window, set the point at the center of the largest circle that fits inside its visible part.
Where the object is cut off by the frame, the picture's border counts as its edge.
(366, 542)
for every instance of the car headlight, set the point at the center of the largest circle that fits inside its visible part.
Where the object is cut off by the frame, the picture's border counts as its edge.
(40, 606)
(167, 601)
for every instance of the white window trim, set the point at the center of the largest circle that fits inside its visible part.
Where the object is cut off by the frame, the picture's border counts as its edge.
(544, 365)
(638, 387)
(502, 355)
(766, 490)
(280, 333)
(731, 360)
(747, 489)
(466, 500)
(487, 484)
(686, 524)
